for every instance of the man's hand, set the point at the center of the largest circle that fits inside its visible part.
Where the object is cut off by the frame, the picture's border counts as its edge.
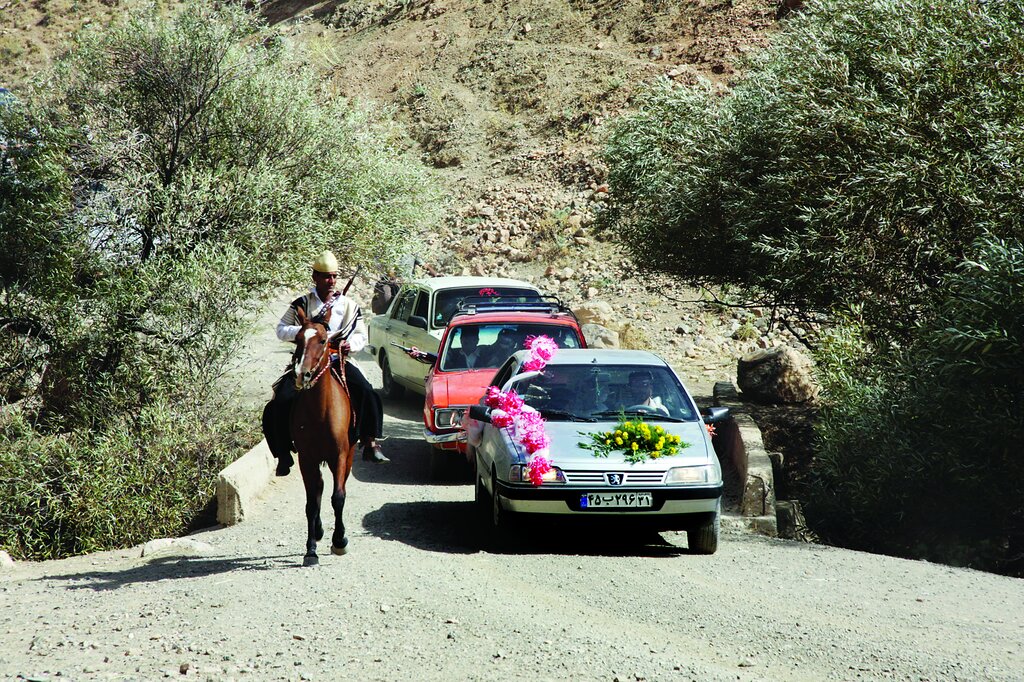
(341, 346)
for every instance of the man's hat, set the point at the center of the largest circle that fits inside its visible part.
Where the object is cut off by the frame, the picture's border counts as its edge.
(326, 262)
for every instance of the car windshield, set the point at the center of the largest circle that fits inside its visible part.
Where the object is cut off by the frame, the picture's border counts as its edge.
(603, 391)
(472, 346)
(446, 301)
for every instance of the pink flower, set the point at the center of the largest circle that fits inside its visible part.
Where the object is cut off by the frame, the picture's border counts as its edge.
(501, 418)
(542, 346)
(538, 466)
(493, 397)
(534, 365)
(542, 349)
(510, 402)
(530, 431)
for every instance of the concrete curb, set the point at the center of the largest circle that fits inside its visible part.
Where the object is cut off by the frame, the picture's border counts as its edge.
(241, 482)
(739, 441)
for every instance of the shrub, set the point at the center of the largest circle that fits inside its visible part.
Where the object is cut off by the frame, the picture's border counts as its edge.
(851, 167)
(868, 165)
(180, 167)
(142, 477)
(919, 449)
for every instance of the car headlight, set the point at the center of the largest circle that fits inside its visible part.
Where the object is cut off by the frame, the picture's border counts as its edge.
(448, 417)
(519, 473)
(704, 473)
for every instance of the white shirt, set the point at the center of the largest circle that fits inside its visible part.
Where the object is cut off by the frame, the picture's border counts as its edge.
(346, 319)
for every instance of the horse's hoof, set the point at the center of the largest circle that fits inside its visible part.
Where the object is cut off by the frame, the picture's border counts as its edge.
(343, 549)
(310, 560)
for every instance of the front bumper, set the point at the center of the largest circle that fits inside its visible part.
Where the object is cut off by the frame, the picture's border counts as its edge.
(677, 504)
(441, 438)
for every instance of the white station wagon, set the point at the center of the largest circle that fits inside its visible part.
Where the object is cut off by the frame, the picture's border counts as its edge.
(585, 392)
(418, 315)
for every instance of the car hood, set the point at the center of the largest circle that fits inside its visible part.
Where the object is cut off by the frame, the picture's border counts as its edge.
(461, 388)
(566, 436)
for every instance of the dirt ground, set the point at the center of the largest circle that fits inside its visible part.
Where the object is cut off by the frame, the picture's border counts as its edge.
(426, 593)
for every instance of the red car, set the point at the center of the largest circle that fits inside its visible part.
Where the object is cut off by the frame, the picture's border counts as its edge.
(478, 339)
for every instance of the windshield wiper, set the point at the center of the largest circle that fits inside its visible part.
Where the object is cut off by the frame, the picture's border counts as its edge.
(566, 414)
(650, 416)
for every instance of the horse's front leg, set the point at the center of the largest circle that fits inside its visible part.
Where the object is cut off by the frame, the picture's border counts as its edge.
(314, 529)
(339, 543)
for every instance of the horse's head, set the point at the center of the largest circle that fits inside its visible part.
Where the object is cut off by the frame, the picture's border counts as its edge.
(312, 350)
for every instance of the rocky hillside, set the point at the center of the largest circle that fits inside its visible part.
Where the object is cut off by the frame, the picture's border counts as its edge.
(508, 102)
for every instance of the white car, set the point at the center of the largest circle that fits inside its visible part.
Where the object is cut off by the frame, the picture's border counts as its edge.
(581, 393)
(418, 315)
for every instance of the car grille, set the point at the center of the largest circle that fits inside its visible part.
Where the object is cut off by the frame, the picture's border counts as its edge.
(598, 478)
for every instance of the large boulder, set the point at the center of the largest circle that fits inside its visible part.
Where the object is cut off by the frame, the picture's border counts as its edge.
(776, 375)
(598, 312)
(598, 336)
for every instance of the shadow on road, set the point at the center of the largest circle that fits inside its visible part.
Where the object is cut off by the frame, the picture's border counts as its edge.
(452, 527)
(173, 567)
(411, 465)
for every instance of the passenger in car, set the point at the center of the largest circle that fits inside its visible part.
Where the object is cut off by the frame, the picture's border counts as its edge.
(468, 355)
(506, 344)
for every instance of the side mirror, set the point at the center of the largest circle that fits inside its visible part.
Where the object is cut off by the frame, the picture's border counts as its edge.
(417, 321)
(714, 415)
(480, 413)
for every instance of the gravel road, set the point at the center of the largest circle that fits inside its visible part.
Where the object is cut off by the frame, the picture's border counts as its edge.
(418, 598)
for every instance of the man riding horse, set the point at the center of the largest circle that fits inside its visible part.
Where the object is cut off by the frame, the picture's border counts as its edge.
(348, 334)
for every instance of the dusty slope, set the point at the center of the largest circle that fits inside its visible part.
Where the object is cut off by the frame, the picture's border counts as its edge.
(508, 101)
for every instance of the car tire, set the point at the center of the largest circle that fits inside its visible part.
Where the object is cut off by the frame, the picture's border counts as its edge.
(704, 538)
(481, 500)
(501, 519)
(389, 387)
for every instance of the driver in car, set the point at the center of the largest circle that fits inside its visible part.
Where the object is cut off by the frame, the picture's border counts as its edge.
(640, 391)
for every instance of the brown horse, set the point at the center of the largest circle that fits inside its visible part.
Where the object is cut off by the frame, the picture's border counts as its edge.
(320, 421)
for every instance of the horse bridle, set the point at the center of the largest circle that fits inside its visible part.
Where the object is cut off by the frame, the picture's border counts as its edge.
(308, 384)
(325, 360)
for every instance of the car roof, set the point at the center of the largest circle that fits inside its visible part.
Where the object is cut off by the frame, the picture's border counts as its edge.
(454, 282)
(536, 316)
(599, 356)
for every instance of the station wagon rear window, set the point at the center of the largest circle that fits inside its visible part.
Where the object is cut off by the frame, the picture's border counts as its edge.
(446, 301)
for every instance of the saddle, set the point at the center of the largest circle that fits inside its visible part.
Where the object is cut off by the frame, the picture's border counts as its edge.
(276, 421)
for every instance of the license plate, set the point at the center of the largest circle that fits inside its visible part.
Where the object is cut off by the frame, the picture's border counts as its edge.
(616, 500)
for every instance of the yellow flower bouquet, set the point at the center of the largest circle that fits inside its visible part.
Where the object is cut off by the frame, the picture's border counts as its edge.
(636, 439)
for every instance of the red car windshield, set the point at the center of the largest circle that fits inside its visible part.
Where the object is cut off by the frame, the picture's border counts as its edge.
(475, 346)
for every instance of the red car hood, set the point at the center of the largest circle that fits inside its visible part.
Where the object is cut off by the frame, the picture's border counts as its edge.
(459, 388)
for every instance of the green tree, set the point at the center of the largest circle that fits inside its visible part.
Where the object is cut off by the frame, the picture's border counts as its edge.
(868, 165)
(188, 164)
(851, 168)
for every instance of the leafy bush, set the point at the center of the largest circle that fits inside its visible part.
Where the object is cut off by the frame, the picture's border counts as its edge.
(920, 449)
(179, 167)
(142, 477)
(852, 167)
(868, 166)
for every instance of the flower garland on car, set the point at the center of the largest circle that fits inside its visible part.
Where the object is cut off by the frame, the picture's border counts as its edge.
(509, 410)
(637, 440)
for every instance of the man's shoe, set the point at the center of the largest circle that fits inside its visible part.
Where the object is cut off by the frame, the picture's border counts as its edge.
(374, 454)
